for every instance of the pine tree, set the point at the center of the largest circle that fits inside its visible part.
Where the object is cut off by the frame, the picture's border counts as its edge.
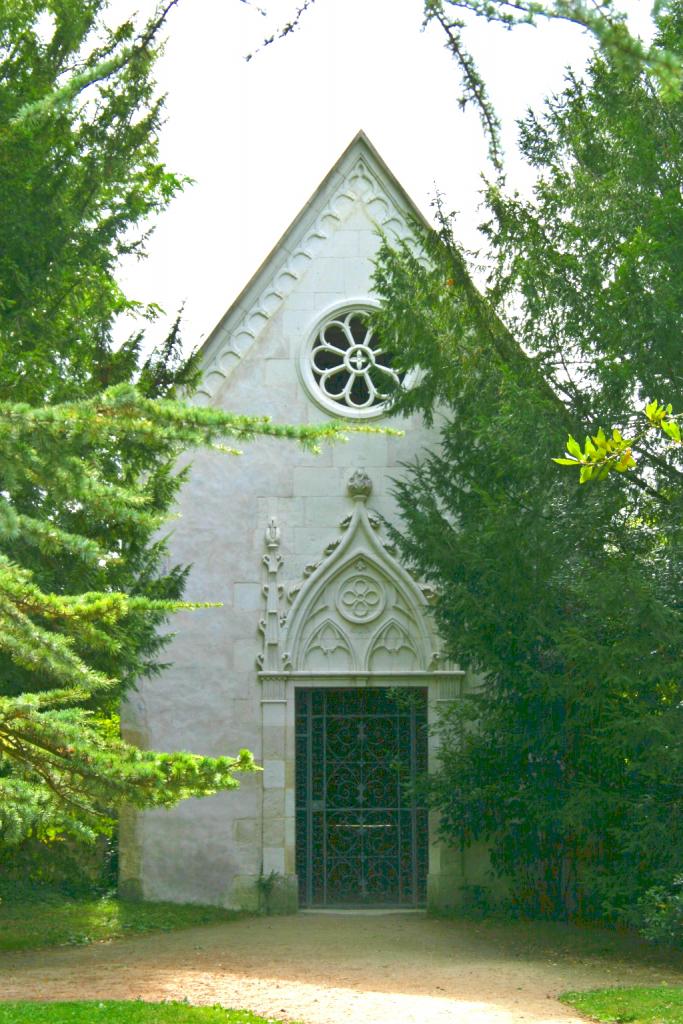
(87, 475)
(565, 598)
(80, 178)
(63, 769)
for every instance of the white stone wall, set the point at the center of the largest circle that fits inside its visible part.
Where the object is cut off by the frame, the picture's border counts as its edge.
(209, 701)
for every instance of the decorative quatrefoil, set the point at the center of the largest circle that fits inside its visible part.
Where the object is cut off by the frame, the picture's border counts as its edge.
(360, 599)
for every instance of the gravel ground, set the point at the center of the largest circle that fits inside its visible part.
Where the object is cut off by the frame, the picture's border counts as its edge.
(342, 968)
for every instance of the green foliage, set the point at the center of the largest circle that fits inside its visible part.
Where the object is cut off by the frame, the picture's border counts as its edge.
(606, 22)
(273, 895)
(83, 592)
(266, 886)
(108, 1012)
(80, 176)
(660, 1005)
(602, 453)
(49, 919)
(64, 770)
(661, 914)
(599, 455)
(566, 600)
(86, 482)
(56, 865)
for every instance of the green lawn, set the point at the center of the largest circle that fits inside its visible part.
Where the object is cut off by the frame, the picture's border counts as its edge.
(54, 920)
(661, 1005)
(123, 1013)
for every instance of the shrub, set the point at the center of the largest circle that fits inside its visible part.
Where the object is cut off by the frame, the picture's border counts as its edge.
(661, 913)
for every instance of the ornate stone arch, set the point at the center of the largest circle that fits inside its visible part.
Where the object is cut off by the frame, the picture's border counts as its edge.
(359, 600)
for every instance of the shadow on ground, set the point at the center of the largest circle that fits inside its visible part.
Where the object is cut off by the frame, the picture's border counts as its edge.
(333, 969)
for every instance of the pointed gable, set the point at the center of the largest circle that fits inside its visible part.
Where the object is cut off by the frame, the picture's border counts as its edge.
(359, 185)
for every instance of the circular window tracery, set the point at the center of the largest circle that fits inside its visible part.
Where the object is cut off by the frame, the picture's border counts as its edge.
(349, 366)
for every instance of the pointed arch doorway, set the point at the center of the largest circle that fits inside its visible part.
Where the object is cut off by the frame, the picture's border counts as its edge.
(351, 681)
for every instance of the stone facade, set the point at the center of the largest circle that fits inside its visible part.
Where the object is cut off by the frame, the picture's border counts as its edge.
(291, 544)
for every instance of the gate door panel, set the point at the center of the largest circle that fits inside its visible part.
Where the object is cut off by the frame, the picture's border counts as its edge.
(361, 835)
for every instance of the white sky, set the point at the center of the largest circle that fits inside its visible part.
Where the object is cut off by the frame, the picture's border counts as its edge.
(258, 137)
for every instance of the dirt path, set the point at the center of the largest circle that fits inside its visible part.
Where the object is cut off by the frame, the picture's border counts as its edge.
(344, 969)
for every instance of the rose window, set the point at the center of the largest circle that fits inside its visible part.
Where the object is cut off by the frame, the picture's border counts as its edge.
(350, 366)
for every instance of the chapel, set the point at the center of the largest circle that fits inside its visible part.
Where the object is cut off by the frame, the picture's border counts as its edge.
(322, 658)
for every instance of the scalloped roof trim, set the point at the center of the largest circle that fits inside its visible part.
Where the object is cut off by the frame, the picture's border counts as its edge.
(359, 174)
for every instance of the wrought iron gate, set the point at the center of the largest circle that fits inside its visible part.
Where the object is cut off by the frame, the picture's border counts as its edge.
(361, 834)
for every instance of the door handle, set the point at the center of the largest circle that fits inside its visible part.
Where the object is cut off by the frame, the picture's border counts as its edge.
(349, 825)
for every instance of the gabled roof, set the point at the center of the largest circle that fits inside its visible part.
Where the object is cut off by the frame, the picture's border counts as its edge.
(360, 172)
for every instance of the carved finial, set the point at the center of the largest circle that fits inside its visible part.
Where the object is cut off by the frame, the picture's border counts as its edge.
(272, 533)
(270, 624)
(359, 485)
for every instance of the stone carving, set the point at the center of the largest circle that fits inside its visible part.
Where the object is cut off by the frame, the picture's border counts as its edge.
(360, 599)
(393, 648)
(328, 649)
(357, 585)
(271, 625)
(272, 534)
(437, 660)
(234, 342)
(359, 485)
(347, 367)
(374, 520)
(357, 610)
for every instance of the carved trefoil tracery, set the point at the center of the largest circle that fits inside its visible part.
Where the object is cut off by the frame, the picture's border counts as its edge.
(393, 649)
(328, 650)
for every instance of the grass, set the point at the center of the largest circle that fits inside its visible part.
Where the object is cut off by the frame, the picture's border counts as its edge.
(123, 1013)
(55, 920)
(661, 1005)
